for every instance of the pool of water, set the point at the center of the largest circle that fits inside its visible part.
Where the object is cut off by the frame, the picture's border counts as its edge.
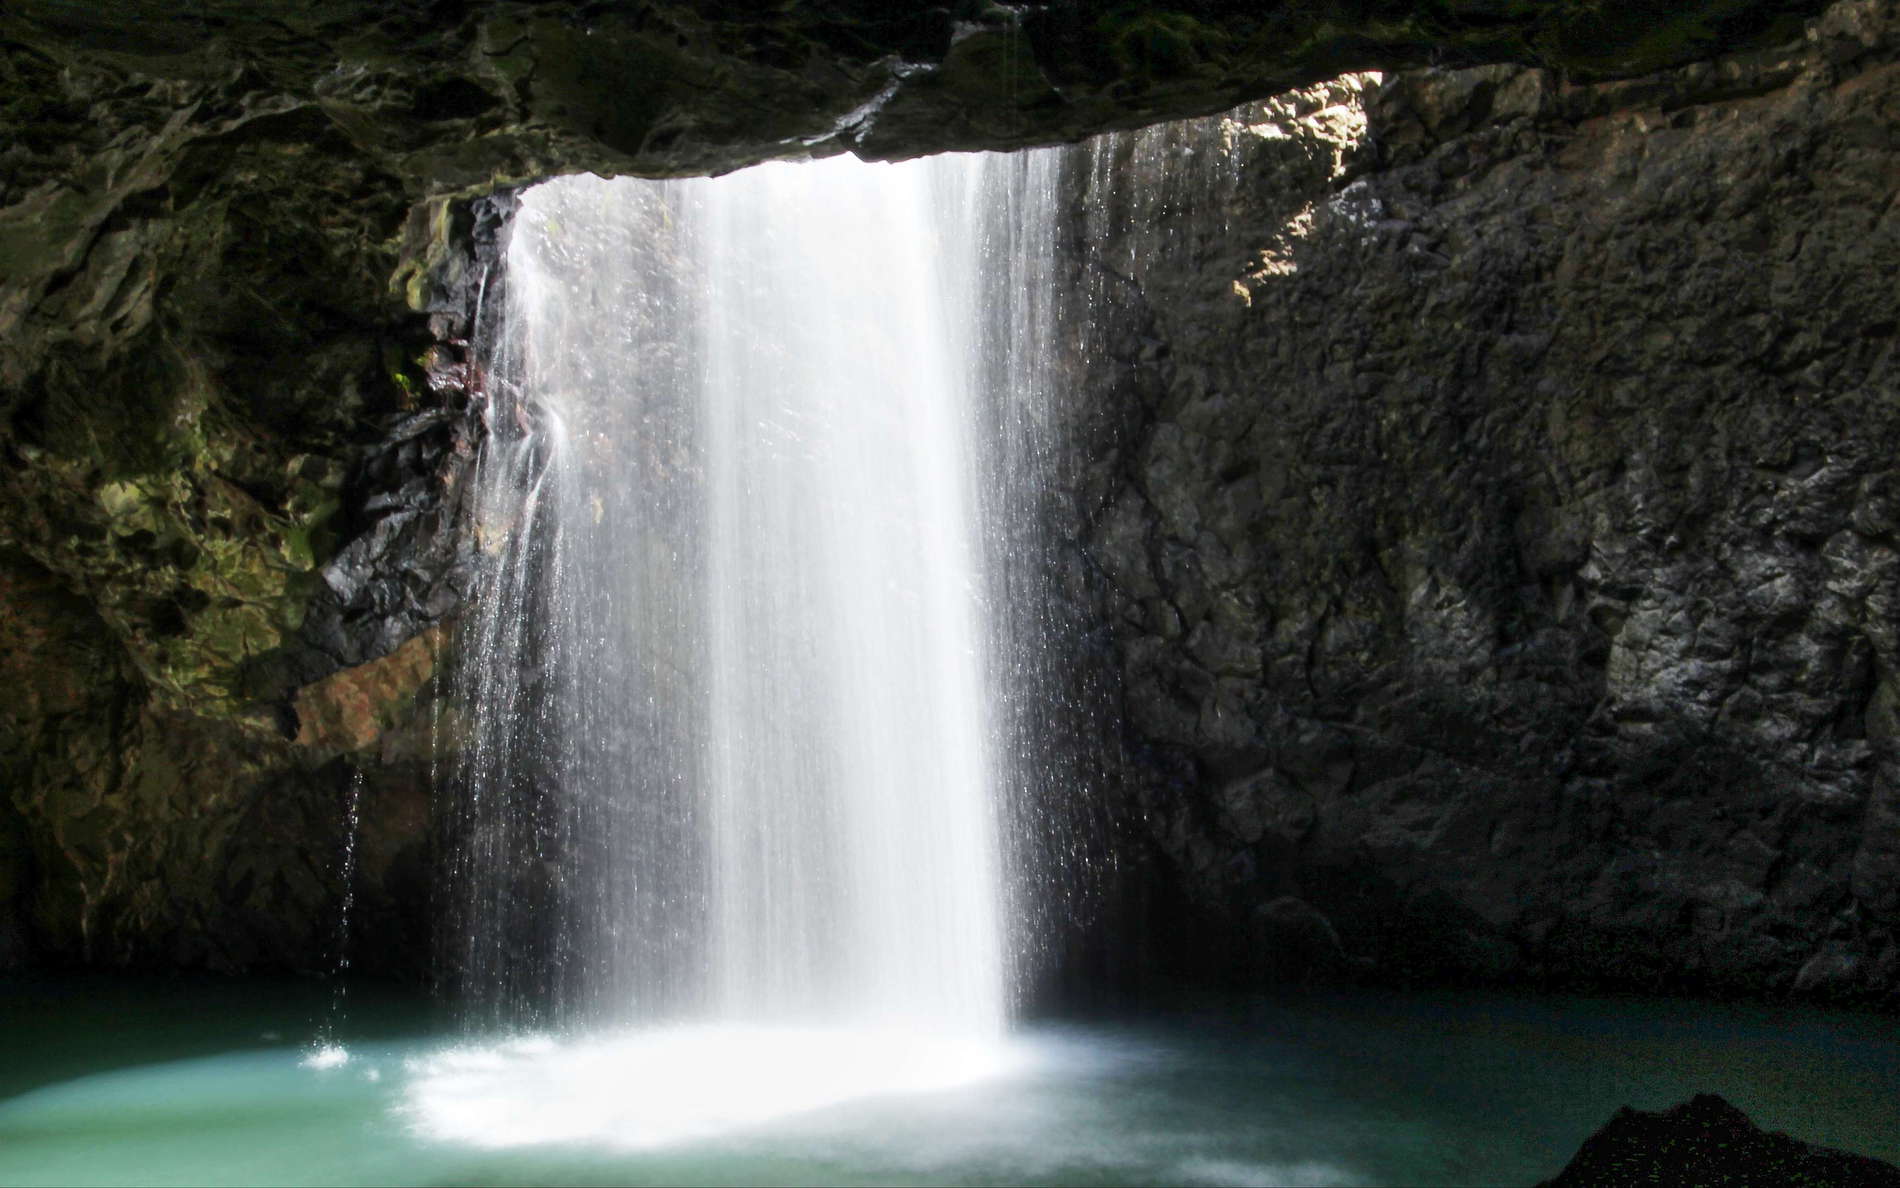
(108, 1082)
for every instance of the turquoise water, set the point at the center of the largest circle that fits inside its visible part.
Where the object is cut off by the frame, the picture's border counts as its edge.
(115, 1082)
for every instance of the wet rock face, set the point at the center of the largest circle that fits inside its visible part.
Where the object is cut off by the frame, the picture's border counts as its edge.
(1506, 575)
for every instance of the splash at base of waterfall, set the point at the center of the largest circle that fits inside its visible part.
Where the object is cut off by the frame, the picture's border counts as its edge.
(326, 1056)
(655, 1087)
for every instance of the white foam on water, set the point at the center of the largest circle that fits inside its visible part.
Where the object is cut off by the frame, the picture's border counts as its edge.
(326, 1056)
(659, 1087)
(1233, 1173)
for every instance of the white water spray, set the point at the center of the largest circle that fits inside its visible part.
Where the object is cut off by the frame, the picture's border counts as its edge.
(761, 682)
(741, 712)
(849, 773)
(326, 1049)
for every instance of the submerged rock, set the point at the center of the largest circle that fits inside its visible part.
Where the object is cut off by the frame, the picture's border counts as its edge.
(1707, 1141)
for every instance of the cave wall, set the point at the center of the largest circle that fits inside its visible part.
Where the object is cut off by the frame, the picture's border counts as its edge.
(238, 258)
(1503, 565)
(231, 447)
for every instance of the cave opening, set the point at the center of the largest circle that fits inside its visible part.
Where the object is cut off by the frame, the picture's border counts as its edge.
(1414, 553)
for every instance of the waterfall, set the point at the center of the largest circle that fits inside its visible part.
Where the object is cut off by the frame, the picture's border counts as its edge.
(849, 775)
(749, 684)
(786, 740)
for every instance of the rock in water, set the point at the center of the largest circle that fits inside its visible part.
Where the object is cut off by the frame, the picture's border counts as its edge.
(1707, 1141)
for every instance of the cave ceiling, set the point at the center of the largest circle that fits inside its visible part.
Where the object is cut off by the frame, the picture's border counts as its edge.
(465, 93)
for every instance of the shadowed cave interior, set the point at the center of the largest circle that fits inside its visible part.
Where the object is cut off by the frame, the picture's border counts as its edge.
(1420, 563)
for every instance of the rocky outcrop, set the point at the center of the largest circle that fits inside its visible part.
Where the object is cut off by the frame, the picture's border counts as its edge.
(213, 501)
(1505, 570)
(1705, 1140)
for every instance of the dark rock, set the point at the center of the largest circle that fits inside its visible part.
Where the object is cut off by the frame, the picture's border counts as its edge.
(1707, 1141)
(1515, 504)
(1298, 941)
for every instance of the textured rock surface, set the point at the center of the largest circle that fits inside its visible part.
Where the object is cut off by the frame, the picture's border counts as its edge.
(1505, 571)
(1705, 1140)
(465, 93)
(226, 477)
(233, 289)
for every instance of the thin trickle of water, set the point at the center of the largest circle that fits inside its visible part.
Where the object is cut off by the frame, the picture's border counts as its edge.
(1166, 197)
(327, 1049)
